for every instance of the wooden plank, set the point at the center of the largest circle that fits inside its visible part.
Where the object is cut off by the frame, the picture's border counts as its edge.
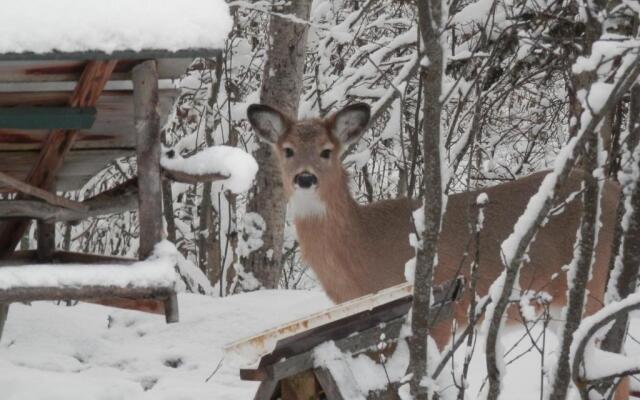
(144, 54)
(24, 257)
(348, 388)
(70, 70)
(328, 384)
(49, 197)
(24, 294)
(114, 126)
(31, 118)
(280, 370)
(79, 166)
(368, 318)
(58, 143)
(266, 390)
(147, 121)
(121, 198)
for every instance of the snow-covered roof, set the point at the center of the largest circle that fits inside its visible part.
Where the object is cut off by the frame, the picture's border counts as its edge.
(40, 27)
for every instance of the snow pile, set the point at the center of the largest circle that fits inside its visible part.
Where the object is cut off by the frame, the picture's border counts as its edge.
(157, 271)
(43, 26)
(233, 162)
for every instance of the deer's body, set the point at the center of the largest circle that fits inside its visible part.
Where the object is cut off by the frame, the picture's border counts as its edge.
(358, 249)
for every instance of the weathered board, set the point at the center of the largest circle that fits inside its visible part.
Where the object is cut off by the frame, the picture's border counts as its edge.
(70, 70)
(78, 168)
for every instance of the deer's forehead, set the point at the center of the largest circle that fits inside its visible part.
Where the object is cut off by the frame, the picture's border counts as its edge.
(309, 133)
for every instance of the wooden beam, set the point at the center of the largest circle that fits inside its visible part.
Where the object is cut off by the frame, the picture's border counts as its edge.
(144, 54)
(328, 384)
(42, 194)
(24, 257)
(147, 121)
(24, 294)
(121, 198)
(30, 118)
(57, 145)
(266, 390)
(179, 176)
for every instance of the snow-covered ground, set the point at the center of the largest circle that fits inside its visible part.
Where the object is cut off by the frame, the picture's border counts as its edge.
(95, 352)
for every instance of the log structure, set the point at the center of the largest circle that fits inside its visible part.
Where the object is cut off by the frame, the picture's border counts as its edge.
(63, 118)
(285, 356)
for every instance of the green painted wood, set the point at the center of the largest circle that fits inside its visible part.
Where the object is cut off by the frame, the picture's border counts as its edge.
(47, 117)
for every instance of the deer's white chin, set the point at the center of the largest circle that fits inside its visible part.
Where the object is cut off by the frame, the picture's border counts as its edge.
(305, 203)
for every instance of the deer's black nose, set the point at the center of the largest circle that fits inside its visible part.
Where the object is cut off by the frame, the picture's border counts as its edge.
(305, 180)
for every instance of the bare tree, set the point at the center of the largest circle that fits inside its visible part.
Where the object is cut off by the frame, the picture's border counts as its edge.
(281, 88)
(429, 17)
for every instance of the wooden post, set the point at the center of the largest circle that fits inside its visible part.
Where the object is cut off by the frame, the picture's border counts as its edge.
(147, 121)
(171, 309)
(46, 240)
(4, 311)
(46, 233)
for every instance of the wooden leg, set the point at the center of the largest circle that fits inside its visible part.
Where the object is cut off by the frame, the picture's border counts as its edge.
(147, 121)
(266, 390)
(4, 312)
(46, 241)
(171, 309)
(299, 387)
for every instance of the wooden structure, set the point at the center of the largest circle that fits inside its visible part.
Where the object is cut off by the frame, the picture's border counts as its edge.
(64, 117)
(287, 367)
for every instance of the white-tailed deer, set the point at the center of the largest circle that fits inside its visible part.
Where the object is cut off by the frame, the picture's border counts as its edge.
(357, 249)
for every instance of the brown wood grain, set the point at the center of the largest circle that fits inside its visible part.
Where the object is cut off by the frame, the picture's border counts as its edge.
(34, 191)
(70, 70)
(79, 166)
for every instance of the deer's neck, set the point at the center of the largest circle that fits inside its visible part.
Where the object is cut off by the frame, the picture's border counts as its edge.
(329, 230)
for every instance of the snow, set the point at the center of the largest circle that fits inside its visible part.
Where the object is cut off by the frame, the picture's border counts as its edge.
(240, 166)
(43, 26)
(157, 271)
(92, 352)
(88, 352)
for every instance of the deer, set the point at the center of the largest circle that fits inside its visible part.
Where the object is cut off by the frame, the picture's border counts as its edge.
(356, 249)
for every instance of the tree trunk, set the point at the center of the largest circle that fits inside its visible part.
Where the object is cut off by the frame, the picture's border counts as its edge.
(209, 256)
(429, 15)
(281, 88)
(626, 255)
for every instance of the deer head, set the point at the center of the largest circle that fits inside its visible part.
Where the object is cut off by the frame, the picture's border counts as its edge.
(309, 151)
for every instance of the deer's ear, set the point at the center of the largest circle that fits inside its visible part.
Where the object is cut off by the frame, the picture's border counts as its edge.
(348, 124)
(268, 122)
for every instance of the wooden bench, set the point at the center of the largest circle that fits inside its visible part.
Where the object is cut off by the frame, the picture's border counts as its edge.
(286, 362)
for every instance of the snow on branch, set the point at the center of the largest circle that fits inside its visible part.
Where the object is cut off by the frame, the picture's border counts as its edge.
(590, 364)
(230, 166)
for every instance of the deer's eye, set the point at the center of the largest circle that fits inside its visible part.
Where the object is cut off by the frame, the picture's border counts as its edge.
(288, 152)
(326, 153)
